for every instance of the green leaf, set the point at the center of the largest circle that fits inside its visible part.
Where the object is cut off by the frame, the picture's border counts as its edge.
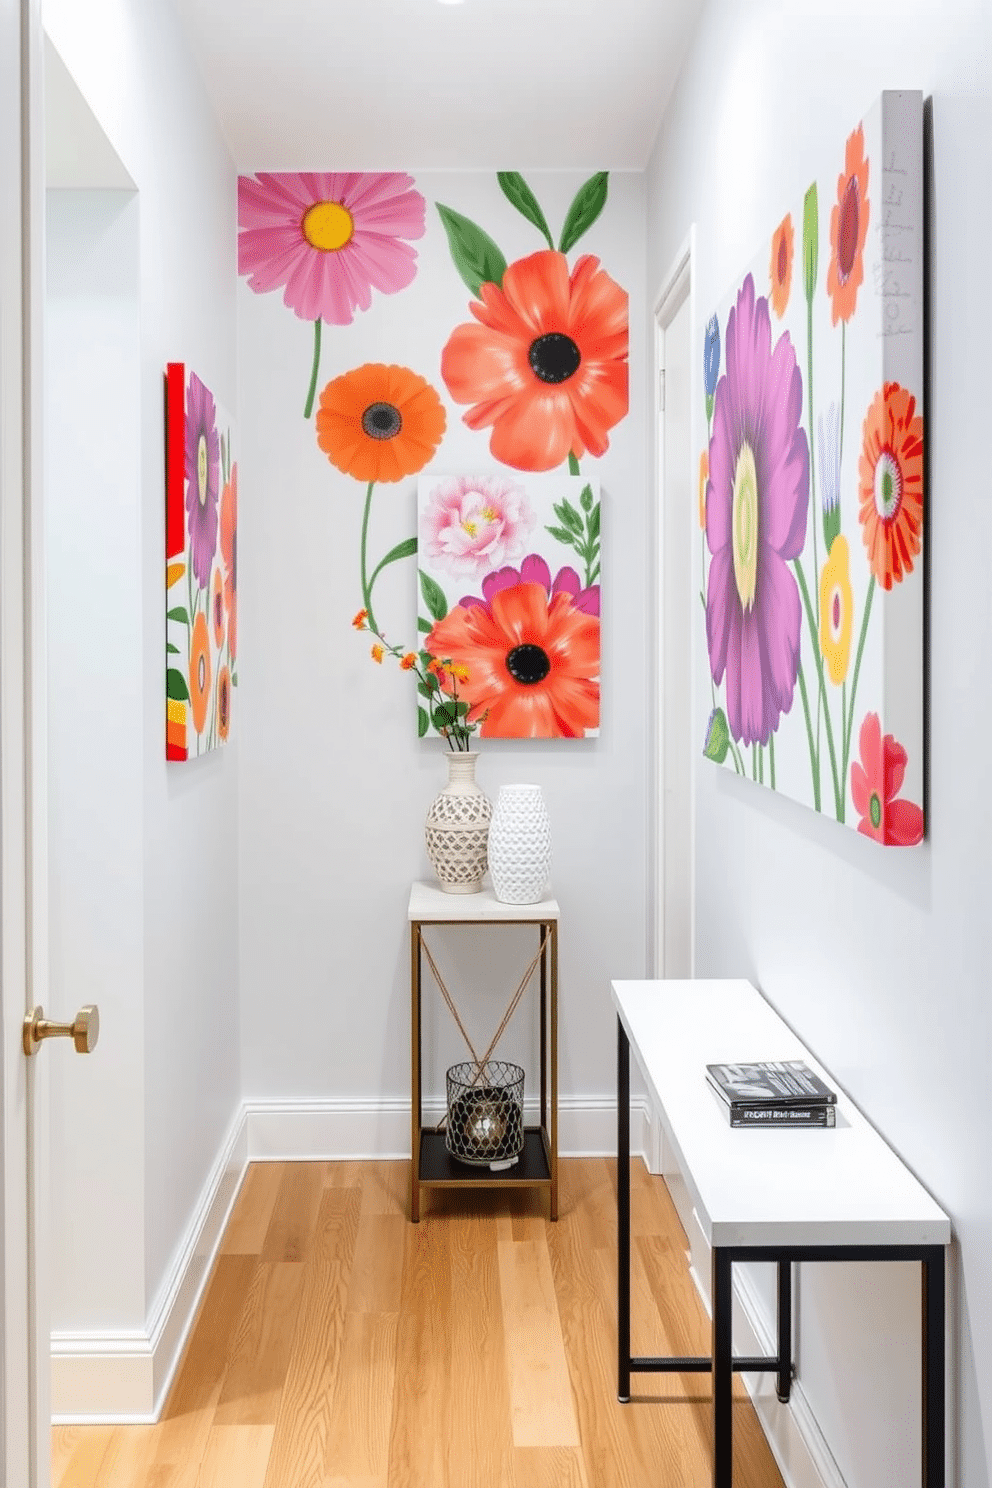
(473, 252)
(461, 709)
(444, 716)
(433, 596)
(175, 686)
(424, 626)
(234, 679)
(179, 614)
(573, 463)
(562, 535)
(423, 722)
(590, 200)
(709, 406)
(811, 241)
(402, 550)
(173, 649)
(428, 688)
(585, 500)
(717, 737)
(516, 190)
(568, 516)
(594, 522)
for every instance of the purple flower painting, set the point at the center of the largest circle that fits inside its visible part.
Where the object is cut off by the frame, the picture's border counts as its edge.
(757, 501)
(202, 471)
(812, 492)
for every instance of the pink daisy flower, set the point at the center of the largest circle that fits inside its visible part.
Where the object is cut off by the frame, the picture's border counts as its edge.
(328, 238)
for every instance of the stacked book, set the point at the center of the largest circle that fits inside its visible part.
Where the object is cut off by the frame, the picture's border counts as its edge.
(782, 1092)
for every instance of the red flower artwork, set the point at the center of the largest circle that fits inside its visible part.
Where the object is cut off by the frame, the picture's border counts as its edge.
(874, 784)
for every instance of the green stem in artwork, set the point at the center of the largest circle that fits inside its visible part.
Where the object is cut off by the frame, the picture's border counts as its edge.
(809, 740)
(814, 638)
(849, 722)
(573, 464)
(738, 762)
(843, 377)
(366, 586)
(812, 497)
(771, 758)
(308, 410)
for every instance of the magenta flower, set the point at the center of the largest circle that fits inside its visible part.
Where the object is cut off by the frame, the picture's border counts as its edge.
(757, 502)
(329, 237)
(202, 470)
(471, 525)
(534, 570)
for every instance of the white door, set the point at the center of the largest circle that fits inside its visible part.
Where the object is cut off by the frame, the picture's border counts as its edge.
(24, 1347)
(673, 588)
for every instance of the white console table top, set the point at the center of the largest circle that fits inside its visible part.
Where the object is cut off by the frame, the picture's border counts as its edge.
(828, 1186)
(428, 901)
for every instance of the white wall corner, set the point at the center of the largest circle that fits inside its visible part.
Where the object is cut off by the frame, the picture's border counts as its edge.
(124, 1378)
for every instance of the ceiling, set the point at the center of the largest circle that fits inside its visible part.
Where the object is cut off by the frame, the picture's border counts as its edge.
(495, 84)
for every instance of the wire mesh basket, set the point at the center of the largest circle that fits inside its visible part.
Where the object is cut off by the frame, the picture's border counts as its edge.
(485, 1112)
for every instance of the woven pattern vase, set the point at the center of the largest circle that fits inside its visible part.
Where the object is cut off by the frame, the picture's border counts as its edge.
(457, 827)
(520, 845)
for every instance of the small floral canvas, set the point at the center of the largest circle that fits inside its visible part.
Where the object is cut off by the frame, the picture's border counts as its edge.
(811, 496)
(201, 566)
(509, 604)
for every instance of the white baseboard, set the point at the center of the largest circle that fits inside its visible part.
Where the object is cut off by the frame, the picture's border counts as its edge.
(124, 1377)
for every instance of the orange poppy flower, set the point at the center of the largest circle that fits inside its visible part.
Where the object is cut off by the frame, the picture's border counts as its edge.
(199, 672)
(546, 367)
(530, 663)
(849, 230)
(780, 268)
(223, 702)
(217, 608)
(890, 483)
(229, 553)
(379, 423)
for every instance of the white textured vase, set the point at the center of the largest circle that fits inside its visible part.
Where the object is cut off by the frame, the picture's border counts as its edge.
(457, 827)
(520, 845)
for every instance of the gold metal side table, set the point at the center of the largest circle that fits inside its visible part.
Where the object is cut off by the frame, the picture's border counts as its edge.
(432, 1166)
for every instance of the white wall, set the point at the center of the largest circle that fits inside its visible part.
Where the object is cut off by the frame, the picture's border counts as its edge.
(877, 957)
(334, 783)
(179, 1071)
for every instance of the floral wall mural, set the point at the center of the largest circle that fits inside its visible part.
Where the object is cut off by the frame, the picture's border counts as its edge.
(811, 494)
(201, 566)
(507, 636)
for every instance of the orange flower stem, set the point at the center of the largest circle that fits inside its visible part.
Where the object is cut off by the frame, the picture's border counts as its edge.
(366, 586)
(849, 721)
(843, 375)
(308, 410)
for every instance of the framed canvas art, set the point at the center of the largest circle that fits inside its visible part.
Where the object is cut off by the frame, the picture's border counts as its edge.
(201, 566)
(509, 603)
(811, 492)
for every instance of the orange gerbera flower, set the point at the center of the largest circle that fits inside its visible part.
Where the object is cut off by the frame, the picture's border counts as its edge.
(199, 672)
(379, 423)
(546, 367)
(780, 268)
(217, 608)
(890, 483)
(229, 553)
(530, 663)
(223, 702)
(408, 661)
(849, 230)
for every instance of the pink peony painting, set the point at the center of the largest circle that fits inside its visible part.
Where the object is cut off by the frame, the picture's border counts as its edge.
(510, 604)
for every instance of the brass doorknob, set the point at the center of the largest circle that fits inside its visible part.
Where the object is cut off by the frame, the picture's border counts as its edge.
(84, 1032)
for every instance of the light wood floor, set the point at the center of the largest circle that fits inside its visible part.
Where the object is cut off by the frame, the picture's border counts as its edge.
(339, 1346)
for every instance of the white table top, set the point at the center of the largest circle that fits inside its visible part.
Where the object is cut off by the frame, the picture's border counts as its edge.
(428, 901)
(828, 1186)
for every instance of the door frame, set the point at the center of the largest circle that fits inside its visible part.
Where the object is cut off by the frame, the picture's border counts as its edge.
(677, 286)
(24, 1335)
